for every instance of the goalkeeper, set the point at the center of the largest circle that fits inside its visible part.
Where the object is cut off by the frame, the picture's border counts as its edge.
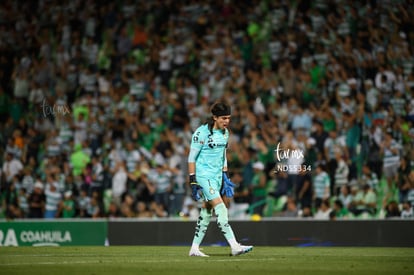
(207, 166)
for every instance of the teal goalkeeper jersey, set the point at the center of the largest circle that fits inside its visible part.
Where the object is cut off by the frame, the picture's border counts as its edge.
(211, 149)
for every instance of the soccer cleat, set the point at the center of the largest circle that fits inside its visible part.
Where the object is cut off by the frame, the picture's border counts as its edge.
(241, 249)
(196, 253)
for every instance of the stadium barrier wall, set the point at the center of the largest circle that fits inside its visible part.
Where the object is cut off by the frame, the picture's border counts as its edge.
(53, 233)
(267, 232)
(373, 233)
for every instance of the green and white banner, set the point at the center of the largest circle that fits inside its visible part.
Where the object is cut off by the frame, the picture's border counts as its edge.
(53, 233)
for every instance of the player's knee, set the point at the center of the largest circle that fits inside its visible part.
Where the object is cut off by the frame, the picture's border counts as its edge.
(207, 206)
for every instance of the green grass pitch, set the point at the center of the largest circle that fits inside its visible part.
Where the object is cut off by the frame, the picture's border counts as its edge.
(174, 260)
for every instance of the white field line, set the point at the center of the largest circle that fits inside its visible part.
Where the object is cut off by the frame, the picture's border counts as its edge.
(70, 255)
(231, 259)
(174, 254)
(104, 260)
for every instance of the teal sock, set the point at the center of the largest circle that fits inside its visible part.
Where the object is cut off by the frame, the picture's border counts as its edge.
(201, 227)
(223, 221)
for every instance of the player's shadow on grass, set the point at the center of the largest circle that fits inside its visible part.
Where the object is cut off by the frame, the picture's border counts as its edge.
(228, 255)
(219, 254)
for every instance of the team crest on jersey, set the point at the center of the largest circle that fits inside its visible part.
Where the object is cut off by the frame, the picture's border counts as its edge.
(196, 138)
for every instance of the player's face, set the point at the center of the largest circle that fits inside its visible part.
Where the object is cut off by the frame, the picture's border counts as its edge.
(221, 122)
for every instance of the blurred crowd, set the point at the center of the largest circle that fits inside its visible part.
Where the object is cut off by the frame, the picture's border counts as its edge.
(99, 99)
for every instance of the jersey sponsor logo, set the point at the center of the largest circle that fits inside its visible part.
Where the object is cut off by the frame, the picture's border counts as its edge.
(216, 145)
(212, 144)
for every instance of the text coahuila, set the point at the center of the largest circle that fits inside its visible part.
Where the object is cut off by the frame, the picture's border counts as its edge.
(36, 237)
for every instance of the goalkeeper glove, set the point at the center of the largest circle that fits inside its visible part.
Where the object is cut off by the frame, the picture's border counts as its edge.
(195, 188)
(228, 186)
